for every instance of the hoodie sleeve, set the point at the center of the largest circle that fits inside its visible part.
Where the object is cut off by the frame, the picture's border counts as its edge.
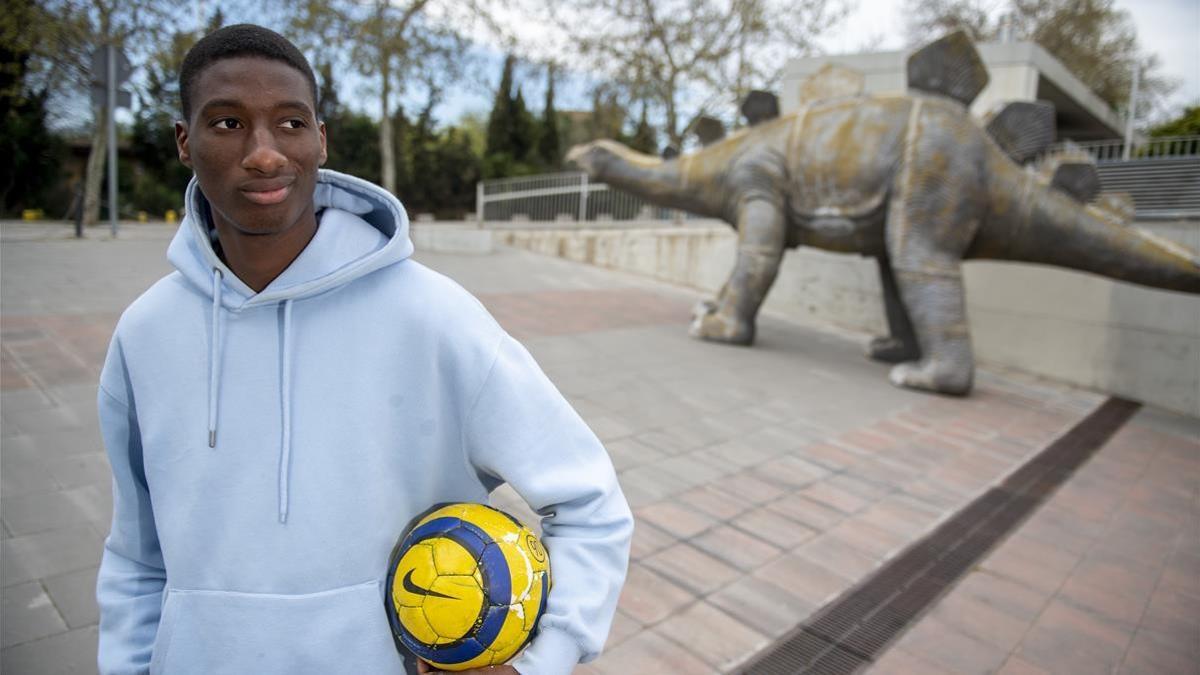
(130, 583)
(522, 431)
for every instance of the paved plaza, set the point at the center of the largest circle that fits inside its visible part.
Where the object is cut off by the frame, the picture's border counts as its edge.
(765, 481)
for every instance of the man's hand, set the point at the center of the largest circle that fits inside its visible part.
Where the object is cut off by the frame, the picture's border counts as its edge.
(426, 669)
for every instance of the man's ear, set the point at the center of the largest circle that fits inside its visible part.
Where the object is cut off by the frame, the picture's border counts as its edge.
(181, 142)
(324, 154)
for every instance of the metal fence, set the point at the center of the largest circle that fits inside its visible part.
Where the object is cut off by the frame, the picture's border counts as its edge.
(1155, 148)
(560, 197)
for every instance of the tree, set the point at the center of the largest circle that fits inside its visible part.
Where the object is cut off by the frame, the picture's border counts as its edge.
(352, 138)
(68, 31)
(158, 177)
(1095, 40)
(328, 102)
(500, 122)
(41, 47)
(1186, 124)
(31, 154)
(395, 43)
(524, 130)
(608, 114)
(644, 139)
(511, 130)
(548, 147)
(690, 57)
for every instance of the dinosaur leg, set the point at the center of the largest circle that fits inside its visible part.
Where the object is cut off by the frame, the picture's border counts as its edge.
(709, 306)
(761, 240)
(936, 303)
(928, 228)
(900, 344)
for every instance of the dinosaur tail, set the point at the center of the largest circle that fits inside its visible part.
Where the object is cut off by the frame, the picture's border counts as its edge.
(1034, 223)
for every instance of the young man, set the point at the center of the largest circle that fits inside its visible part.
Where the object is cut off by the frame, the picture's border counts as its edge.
(279, 408)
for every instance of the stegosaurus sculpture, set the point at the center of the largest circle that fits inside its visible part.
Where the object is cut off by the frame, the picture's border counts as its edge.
(910, 179)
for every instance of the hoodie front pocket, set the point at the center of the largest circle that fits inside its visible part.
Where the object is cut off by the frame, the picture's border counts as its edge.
(343, 630)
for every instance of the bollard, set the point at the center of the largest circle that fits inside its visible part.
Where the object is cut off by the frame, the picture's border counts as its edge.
(170, 216)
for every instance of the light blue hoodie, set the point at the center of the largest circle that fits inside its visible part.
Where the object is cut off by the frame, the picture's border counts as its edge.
(268, 449)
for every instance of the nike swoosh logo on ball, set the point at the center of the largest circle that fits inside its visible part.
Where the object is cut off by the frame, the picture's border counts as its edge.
(417, 590)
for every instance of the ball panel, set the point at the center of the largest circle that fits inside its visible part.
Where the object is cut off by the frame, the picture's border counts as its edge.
(512, 634)
(445, 511)
(486, 658)
(417, 626)
(497, 574)
(468, 653)
(541, 559)
(415, 567)
(535, 604)
(498, 525)
(455, 608)
(451, 557)
(520, 567)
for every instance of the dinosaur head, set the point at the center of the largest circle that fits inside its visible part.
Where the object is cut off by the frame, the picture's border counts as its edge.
(601, 159)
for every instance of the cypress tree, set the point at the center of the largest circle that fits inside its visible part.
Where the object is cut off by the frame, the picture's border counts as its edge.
(500, 122)
(644, 137)
(548, 145)
(327, 96)
(524, 130)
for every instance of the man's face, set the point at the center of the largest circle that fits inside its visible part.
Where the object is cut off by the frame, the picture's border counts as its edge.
(254, 142)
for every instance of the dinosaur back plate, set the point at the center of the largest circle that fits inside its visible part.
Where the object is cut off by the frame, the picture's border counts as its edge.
(949, 67)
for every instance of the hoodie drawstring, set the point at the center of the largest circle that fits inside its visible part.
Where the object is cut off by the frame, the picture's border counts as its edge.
(285, 448)
(214, 356)
(285, 386)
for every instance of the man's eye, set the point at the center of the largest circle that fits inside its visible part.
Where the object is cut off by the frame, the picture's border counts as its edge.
(294, 124)
(227, 123)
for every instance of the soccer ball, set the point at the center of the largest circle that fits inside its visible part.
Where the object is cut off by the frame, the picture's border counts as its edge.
(466, 586)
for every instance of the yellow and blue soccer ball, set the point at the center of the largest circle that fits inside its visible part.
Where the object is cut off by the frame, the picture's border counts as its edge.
(466, 586)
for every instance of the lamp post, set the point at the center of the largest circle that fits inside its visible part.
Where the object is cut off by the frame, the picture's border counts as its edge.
(110, 69)
(1131, 112)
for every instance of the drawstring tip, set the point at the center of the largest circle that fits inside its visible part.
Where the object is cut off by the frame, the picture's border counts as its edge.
(283, 518)
(212, 438)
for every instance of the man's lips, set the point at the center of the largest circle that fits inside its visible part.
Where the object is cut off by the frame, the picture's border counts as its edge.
(272, 193)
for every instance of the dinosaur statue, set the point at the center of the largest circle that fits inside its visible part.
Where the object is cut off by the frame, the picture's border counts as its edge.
(911, 180)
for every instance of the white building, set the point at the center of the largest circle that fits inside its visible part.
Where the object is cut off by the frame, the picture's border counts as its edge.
(1019, 71)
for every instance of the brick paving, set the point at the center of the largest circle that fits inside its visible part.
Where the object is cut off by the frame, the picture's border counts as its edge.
(765, 481)
(1105, 577)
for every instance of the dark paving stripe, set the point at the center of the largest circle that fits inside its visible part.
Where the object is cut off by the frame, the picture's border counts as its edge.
(849, 633)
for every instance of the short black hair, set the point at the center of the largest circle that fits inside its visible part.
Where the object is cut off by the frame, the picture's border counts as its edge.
(243, 39)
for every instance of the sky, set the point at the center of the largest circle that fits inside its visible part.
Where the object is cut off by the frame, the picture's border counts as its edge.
(1168, 28)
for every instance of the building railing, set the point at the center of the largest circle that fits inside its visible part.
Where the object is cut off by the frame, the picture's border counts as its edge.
(1154, 148)
(561, 197)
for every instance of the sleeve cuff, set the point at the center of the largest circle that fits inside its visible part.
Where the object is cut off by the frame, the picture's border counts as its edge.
(552, 652)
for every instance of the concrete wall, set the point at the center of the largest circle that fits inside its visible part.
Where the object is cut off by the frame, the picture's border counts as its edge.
(451, 238)
(1080, 328)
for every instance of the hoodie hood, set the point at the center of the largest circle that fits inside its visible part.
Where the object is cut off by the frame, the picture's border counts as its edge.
(362, 228)
(327, 262)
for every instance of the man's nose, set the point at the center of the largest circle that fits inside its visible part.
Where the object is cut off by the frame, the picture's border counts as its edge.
(263, 155)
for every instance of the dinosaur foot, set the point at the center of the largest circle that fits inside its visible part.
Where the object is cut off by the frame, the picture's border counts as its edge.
(709, 324)
(704, 307)
(890, 350)
(940, 377)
